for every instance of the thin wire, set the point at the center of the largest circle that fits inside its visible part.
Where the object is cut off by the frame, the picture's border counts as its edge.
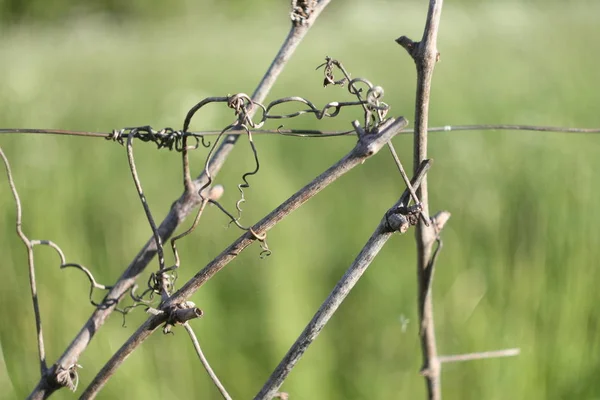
(317, 133)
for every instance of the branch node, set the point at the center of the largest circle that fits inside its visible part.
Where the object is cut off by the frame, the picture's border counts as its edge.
(410, 46)
(400, 218)
(180, 313)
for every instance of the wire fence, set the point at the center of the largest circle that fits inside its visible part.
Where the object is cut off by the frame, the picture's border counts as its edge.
(167, 302)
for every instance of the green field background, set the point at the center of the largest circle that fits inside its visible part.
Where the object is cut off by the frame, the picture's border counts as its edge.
(519, 266)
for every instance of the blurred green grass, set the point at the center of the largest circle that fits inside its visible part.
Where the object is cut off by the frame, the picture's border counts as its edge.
(518, 267)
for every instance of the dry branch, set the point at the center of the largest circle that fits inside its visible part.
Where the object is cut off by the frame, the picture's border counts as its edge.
(381, 235)
(366, 147)
(479, 356)
(425, 55)
(205, 363)
(30, 262)
(177, 214)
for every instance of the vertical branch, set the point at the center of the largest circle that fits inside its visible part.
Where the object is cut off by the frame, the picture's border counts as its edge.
(425, 55)
(381, 235)
(32, 282)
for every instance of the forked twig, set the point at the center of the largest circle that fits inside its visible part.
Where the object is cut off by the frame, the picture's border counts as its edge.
(338, 294)
(205, 363)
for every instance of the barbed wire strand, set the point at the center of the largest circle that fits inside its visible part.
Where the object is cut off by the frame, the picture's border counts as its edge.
(315, 133)
(205, 363)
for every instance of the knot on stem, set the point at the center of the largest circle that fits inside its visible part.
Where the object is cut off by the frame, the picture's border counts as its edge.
(400, 218)
(178, 313)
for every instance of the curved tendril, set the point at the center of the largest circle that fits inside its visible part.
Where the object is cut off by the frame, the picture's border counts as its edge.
(209, 180)
(246, 184)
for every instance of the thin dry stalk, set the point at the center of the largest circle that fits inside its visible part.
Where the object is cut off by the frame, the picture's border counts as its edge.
(205, 363)
(30, 263)
(178, 212)
(381, 235)
(425, 55)
(365, 148)
(480, 356)
(142, 196)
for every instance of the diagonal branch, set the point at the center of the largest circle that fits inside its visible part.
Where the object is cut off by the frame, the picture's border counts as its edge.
(381, 235)
(365, 148)
(425, 55)
(178, 212)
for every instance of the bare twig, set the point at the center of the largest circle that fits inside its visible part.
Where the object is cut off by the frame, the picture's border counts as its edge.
(338, 294)
(425, 55)
(142, 196)
(205, 363)
(479, 356)
(365, 148)
(32, 282)
(411, 190)
(179, 211)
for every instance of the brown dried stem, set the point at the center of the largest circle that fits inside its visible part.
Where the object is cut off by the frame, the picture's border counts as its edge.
(178, 212)
(32, 282)
(479, 356)
(425, 55)
(205, 363)
(142, 196)
(365, 148)
(381, 235)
